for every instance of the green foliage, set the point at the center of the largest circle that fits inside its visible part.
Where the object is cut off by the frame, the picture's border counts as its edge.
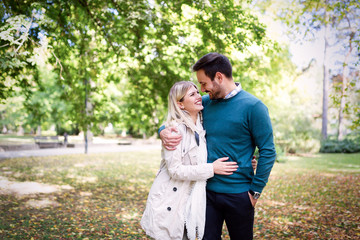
(295, 134)
(12, 114)
(20, 49)
(348, 145)
(183, 31)
(351, 109)
(141, 48)
(122, 57)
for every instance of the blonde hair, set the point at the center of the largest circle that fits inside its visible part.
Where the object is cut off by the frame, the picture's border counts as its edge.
(175, 114)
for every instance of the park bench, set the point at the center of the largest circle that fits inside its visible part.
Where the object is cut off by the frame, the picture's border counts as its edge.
(48, 141)
(124, 142)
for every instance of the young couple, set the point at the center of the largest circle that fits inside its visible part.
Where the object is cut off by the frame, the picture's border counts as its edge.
(206, 179)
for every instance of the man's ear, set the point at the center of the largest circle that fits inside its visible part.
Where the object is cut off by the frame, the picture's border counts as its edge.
(219, 77)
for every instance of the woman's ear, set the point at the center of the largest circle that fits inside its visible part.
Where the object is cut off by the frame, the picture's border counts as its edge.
(181, 105)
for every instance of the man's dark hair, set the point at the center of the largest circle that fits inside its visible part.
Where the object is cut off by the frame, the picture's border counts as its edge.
(212, 63)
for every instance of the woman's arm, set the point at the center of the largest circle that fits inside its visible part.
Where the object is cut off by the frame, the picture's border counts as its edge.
(179, 171)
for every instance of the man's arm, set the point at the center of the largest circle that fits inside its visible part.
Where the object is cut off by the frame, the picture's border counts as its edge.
(261, 130)
(170, 137)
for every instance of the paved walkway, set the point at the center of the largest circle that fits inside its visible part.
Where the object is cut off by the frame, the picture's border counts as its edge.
(93, 148)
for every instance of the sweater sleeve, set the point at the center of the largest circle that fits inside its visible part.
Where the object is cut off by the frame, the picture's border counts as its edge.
(262, 134)
(179, 171)
(162, 127)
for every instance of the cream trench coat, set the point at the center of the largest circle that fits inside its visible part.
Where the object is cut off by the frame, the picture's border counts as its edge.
(163, 217)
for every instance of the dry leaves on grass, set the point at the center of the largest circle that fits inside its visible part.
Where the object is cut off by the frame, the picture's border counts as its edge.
(296, 204)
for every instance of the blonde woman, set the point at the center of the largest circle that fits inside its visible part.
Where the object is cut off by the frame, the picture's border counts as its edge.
(175, 207)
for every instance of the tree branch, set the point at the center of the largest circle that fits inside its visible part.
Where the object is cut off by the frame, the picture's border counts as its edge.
(25, 34)
(85, 4)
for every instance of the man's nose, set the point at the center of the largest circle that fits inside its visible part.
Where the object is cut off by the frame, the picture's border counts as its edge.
(202, 89)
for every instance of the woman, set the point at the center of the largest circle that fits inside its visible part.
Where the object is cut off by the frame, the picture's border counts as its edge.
(176, 203)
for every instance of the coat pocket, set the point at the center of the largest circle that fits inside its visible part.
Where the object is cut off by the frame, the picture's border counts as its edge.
(191, 157)
(160, 185)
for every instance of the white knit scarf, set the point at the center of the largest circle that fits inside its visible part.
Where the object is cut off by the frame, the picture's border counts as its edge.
(196, 205)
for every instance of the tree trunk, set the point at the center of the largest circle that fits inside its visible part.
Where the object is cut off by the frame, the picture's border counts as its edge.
(86, 114)
(325, 81)
(38, 131)
(341, 110)
(344, 79)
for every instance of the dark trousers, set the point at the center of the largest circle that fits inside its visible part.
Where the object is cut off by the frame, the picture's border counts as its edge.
(235, 209)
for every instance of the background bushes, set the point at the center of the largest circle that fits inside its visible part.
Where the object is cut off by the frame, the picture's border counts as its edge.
(349, 145)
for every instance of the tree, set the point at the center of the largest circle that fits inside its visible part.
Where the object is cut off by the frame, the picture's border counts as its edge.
(347, 23)
(326, 80)
(329, 15)
(314, 16)
(143, 47)
(17, 54)
(182, 32)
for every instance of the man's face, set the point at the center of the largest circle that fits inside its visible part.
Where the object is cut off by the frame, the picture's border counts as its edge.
(208, 86)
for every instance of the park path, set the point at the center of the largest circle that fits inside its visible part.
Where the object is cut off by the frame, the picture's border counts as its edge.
(93, 148)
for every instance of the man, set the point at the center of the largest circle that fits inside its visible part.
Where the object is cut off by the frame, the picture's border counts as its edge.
(236, 123)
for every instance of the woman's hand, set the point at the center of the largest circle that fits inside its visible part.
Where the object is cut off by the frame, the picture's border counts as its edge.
(227, 168)
(224, 168)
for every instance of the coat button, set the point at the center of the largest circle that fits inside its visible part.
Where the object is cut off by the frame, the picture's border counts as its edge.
(175, 189)
(169, 208)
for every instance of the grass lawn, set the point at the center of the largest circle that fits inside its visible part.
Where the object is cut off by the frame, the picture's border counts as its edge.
(103, 197)
(13, 139)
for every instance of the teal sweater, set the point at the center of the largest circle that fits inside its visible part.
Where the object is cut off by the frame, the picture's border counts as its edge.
(234, 127)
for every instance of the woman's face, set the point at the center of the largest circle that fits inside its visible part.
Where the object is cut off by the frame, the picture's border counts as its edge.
(191, 101)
